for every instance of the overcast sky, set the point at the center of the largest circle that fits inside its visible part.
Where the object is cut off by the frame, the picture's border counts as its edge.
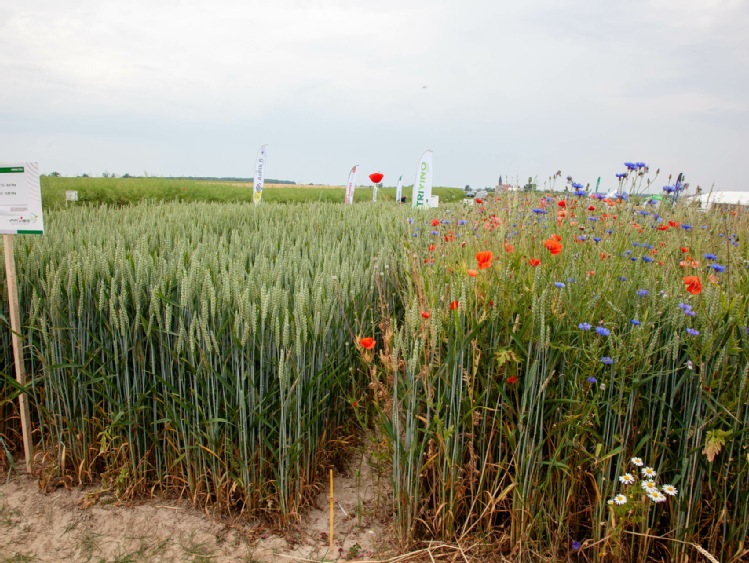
(492, 87)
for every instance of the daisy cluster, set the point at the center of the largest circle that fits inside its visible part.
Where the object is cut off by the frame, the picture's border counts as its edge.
(646, 485)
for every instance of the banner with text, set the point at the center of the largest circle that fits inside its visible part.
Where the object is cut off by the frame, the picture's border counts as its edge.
(20, 199)
(399, 190)
(351, 185)
(423, 185)
(262, 156)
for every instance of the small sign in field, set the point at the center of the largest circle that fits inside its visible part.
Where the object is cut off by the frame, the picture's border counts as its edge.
(20, 199)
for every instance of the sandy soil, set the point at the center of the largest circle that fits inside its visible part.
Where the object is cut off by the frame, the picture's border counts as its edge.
(59, 526)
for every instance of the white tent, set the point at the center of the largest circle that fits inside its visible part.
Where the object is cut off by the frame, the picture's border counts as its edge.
(721, 198)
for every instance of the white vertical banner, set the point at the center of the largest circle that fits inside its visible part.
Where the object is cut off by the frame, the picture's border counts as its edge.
(399, 190)
(350, 185)
(423, 185)
(374, 193)
(262, 156)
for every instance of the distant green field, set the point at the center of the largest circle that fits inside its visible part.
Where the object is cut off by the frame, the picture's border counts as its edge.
(126, 191)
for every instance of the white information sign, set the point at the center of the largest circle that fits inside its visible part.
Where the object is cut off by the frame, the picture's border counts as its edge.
(20, 199)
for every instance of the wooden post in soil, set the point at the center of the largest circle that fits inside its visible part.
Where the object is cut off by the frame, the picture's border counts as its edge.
(15, 326)
(331, 511)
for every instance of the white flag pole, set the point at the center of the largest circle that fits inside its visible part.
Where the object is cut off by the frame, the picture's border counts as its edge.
(262, 155)
(423, 185)
(399, 190)
(351, 185)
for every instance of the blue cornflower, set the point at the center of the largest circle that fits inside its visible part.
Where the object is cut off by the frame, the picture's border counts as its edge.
(635, 322)
(410, 220)
(609, 231)
(596, 239)
(582, 237)
(577, 186)
(635, 244)
(622, 279)
(602, 331)
(559, 284)
(571, 280)
(462, 222)
(647, 259)
(591, 379)
(717, 267)
(641, 165)
(693, 332)
(416, 234)
(642, 292)
(628, 251)
(435, 232)
(648, 246)
(584, 326)
(581, 193)
(592, 218)
(685, 307)
(538, 211)
(606, 360)
(710, 256)
(686, 227)
(633, 259)
(621, 175)
(446, 221)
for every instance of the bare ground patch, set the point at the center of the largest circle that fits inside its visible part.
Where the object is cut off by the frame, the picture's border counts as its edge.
(59, 526)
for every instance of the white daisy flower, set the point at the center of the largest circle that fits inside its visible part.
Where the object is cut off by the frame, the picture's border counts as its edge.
(637, 461)
(656, 496)
(620, 499)
(648, 472)
(627, 479)
(670, 490)
(648, 485)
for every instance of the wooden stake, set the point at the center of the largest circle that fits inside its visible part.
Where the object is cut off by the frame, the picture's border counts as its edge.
(15, 326)
(331, 511)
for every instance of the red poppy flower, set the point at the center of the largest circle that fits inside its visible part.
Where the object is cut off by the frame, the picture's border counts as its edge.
(512, 379)
(479, 201)
(435, 222)
(553, 246)
(367, 342)
(694, 284)
(425, 315)
(484, 259)
(602, 255)
(453, 305)
(562, 203)
(534, 262)
(591, 208)
(684, 249)
(663, 227)
(674, 223)
(431, 248)
(376, 177)
(473, 273)
(508, 247)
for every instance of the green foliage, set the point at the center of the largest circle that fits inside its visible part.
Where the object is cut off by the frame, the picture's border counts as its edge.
(211, 349)
(109, 190)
